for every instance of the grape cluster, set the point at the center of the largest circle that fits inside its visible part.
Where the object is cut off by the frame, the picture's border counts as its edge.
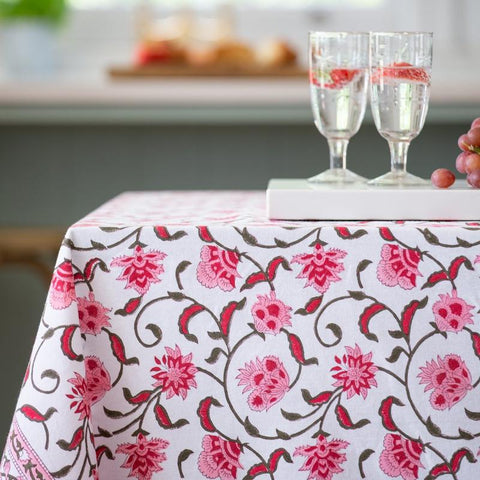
(469, 160)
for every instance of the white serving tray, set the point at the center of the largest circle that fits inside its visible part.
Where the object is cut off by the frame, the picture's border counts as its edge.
(297, 199)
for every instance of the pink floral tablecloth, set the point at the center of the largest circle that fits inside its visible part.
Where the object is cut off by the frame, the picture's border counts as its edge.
(185, 336)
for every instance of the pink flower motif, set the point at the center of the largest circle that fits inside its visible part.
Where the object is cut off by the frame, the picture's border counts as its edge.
(140, 269)
(477, 259)
(449, 378)
(92, 315)
(452, 313)
(401, 457)
(321, 267)
(62, 288)
(144, 457)
(270, 314)
(218, 268)
(323, 459)
(91, 389)
(268, 380)
(219, 458)
(175, 373)
(355, 372)
(399, 266)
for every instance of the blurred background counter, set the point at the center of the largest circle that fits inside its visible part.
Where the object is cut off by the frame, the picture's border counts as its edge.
(198, 101)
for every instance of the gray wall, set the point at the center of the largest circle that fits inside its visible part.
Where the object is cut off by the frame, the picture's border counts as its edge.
(53, 175)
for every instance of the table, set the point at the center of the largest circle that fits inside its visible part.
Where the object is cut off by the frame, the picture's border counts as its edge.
(186, 336)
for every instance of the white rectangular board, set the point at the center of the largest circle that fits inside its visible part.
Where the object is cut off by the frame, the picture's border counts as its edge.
(298, 199)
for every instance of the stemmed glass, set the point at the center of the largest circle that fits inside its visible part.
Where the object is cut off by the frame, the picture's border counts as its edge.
(400, 69)
(338, 91)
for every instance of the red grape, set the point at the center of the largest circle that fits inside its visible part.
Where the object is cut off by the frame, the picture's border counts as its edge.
(472, 162)
(474, 179)
(473, 136)
(463, 143)
(442, 178)
(476, 123)
(460, 162)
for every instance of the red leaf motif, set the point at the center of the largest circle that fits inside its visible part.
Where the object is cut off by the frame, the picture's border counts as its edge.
(275, 458)
(296, 348)
(458, 456)
(66, 342)
(203, 412)
(33, 414)
(132, 304)
(386, 234)
(141, 397)
(161, 232)
(343, 417)
(118, 347)
(204, 234)
(273, 266)
(76, 439)
(313, 304)
(455, 267)
(90, 268)
(78, 277)
(162, 416)
(187, 314)
(257, 470)
(385, 412)
(438, 470)
(103, 450)
(476, 343)
(321, 398)
(366, 316)
(436, 277)
(343, 232)
(255, 278)
(227, 313)
(409, 312)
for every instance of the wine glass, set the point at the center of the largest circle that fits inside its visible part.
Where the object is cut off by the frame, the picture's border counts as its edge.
(338, 92)
(400, 69)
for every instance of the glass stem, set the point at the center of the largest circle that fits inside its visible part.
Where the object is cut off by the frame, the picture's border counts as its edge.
(338, 153)
(398, 155)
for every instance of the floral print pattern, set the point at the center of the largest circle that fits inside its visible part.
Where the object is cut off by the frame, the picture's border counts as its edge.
(141, 269)
(324, 459)
(452, 313)
(175, 373)
(222, 346)
(267, 379)
(90, 389)
(355, 372)
(62, 288)
(449, 378)
(398, 266)
(144, 457)
(218, 268)
(270, 314)
(92, 315)
(321, 267)
(401, 457)
(219, 458)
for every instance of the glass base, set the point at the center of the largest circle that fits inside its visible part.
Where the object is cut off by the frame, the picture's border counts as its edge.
(337, 175)
(400, 179)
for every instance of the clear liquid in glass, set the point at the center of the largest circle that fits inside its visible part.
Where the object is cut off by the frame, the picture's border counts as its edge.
(399, 105)
(338, 108)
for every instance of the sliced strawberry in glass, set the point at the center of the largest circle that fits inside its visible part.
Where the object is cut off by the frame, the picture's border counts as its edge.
(406, 71)
(342, 76)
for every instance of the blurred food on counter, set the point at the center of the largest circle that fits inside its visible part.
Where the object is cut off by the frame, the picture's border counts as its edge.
(186, 44)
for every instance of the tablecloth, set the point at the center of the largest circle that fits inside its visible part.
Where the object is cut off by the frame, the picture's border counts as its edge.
(187, 336)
